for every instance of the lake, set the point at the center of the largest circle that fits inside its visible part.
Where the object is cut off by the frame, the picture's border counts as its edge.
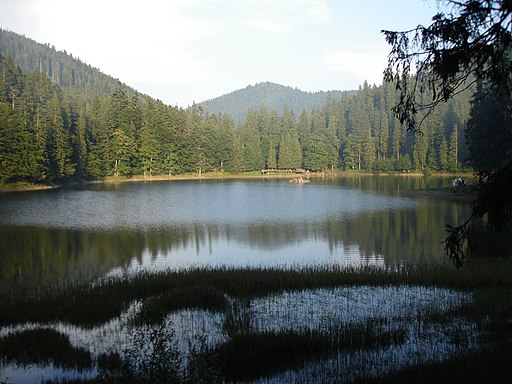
(105, 229)
(100, 231)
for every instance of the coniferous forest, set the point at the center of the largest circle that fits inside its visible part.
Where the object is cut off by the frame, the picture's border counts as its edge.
(61, 120)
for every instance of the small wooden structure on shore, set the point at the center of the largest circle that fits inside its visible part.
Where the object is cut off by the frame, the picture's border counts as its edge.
(269, 171)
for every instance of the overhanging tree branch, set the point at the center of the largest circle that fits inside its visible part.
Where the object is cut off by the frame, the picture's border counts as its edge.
(469, 43)
(448, 56)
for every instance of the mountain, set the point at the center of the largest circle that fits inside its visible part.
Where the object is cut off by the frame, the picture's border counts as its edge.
(271, 96)
(79, 78)
(70, 73)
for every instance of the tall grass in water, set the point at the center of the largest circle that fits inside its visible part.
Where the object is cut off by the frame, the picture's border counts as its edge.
(94, 304)
(233, 293)
(43, 346)
(238, 317)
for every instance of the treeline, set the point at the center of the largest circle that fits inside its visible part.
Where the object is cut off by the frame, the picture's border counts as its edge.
(357, 132)
(47, 134)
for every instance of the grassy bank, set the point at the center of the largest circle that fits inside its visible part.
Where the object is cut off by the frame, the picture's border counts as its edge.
(22, 186)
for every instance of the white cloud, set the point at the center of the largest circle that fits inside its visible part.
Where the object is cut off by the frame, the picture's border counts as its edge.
(268, 25)
(174, 66)
(131, 40)
(367, 65)
(278, 16)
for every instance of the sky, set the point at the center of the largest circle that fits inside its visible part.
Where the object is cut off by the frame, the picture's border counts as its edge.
(186, 51)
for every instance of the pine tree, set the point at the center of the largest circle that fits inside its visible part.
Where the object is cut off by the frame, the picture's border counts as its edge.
(252, 157)
(352, 153)
(315, 153)
(290, 155)
(123, 147)
(18, 161)
(383, 136)
(58, 142)
(454, 149)
(443, 155)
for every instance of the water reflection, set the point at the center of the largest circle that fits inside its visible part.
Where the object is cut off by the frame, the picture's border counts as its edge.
(86, 233)
(408, 309)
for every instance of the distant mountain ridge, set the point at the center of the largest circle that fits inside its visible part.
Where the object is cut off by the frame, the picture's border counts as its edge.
(77, 77)
(273, 97)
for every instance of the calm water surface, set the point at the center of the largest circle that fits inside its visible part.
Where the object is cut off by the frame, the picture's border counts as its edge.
(111, 228)
(49, 237)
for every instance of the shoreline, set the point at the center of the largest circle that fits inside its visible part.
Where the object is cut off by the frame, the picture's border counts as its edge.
(27, 187)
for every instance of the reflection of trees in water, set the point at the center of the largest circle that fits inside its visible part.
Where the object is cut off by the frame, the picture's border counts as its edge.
(409, 235)
(386, 184)
(38, 255)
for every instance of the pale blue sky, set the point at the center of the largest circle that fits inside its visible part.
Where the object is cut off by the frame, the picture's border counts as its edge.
(181, 51)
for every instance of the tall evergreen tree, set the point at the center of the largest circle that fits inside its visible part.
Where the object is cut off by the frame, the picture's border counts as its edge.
(470, 42)
(443, 155)
(18, 160)
(290, 155)
(453, 154)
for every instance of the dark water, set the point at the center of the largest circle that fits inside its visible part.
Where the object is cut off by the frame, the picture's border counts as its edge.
(100, 229)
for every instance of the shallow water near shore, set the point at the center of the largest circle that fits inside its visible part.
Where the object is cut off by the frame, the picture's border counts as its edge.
(404, 310)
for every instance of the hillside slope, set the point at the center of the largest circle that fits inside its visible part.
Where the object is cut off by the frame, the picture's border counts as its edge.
(79, 78)
(273, 97)
(60, 67)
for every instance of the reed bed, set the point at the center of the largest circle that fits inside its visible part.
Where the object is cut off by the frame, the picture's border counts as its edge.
(260, 339)
(95, 303)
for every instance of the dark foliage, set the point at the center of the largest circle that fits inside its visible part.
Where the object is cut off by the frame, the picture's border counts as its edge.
(469, 43)
(252, 356)
(155, 308)
(487, 366)
(465, 43)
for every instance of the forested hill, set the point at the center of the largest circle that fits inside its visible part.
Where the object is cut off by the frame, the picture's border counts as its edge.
(61, 120)
(70, 73)
(272, 97)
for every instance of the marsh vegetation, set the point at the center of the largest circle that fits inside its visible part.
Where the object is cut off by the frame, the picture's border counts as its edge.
(261, 325)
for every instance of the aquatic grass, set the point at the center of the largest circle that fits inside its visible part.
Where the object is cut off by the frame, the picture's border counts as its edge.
(43, 346)
(253, 355)
(287, 339)
(491, 365)
(94, 304)
(155, 308)
(238, 319)
(375, 336)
